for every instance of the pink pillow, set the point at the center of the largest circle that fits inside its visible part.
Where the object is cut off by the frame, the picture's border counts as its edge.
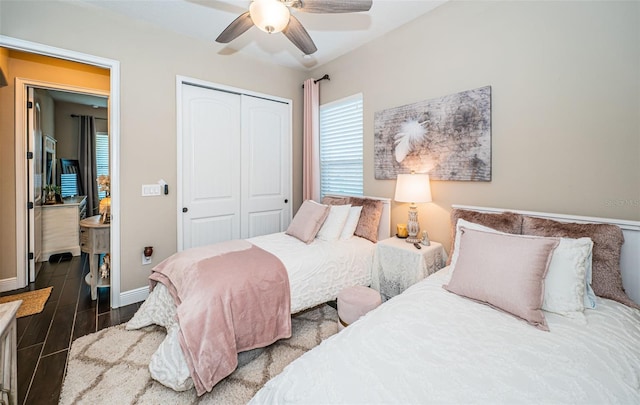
(504, 271)
(307, 221)
(507, 222)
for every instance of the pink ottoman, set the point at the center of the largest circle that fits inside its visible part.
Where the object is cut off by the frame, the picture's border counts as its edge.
(353, 302)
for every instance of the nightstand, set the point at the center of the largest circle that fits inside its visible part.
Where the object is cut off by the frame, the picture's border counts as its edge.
(397, 265)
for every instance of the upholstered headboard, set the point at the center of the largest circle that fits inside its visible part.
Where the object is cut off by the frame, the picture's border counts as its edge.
(629, 256)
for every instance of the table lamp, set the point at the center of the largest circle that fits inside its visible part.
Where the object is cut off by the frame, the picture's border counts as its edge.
(413, 188)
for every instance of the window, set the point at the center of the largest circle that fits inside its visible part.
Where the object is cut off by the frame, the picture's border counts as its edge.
(341, 160)
(102, 157)
(69, 173)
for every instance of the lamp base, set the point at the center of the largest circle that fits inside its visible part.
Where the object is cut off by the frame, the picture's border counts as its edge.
(413, 227)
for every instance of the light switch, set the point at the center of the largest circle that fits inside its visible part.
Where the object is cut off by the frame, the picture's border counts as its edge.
(150, 190)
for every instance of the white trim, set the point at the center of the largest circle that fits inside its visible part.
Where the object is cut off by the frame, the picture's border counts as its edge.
(629, 257)
(134, 296)
(182, 80)
(114, 132)
(8, 284)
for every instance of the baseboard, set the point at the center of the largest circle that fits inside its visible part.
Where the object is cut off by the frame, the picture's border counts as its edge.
(133, 296)
(8, 284)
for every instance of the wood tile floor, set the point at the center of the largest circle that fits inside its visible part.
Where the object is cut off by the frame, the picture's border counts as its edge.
(44, 339)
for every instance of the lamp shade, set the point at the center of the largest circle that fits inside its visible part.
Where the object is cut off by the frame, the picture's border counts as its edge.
(413, 188)
(269, 15)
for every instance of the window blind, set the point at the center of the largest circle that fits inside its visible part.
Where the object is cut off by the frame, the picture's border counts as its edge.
(102, 157)
(341, 157)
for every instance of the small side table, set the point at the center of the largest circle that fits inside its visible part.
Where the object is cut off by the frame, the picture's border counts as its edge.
(397, 265)
(95, 239)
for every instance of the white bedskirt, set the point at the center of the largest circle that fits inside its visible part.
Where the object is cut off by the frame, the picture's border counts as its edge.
(430, 346)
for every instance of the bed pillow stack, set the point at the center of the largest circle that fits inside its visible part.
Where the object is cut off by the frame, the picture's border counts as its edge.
(585, 259)
(337, 218)
(369, 214)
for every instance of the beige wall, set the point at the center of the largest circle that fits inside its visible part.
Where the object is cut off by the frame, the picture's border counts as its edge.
(565, 79)
(150, 58)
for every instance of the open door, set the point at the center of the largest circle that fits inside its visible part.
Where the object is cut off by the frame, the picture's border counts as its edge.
(34, 182)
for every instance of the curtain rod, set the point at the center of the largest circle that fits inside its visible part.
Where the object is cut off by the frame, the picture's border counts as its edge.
(98, 118)
(325, 77)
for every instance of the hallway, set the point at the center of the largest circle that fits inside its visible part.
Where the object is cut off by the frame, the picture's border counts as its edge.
(44, 339)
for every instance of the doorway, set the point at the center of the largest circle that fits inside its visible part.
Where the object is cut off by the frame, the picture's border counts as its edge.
(21, 151)
(61, 199)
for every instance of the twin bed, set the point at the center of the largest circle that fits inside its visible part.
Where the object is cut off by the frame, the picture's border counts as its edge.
(317, 271)
(437, 343)
(429, 345)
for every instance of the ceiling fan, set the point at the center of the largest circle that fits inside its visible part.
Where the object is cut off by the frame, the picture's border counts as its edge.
(273, 16)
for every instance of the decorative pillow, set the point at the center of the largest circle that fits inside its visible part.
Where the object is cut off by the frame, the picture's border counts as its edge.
(307, 221)
(333, 225)
(607, 243)
(330, 200)
(565, 283)
(369, 217)
(351, 224)
(504, 271)
(508, 222)
(456, 242)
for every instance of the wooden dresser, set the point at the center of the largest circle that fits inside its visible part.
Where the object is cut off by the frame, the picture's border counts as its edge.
(61, 226)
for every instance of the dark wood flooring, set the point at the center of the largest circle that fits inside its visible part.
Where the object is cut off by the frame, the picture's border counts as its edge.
(44, 339)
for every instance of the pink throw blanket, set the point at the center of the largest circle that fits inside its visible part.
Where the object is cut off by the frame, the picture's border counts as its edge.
(230, 297)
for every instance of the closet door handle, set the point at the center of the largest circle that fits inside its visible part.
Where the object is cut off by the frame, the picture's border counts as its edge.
(185, 209)
(286, 200)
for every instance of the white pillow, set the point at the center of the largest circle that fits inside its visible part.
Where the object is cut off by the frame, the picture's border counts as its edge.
(351, 224)
(332, 227)
(568, 279)
(589, 296)
(564, 291)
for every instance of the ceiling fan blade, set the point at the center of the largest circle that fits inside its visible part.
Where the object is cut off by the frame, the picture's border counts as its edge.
(332, 6)
(299, 36)
(238, 27)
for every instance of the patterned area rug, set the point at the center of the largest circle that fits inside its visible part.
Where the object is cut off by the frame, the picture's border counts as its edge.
(32, 301)
(111, 366)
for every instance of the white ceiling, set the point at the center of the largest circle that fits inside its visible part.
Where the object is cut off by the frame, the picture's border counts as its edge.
(333, 34)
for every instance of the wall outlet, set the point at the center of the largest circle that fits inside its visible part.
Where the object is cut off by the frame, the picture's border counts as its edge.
(145, 259)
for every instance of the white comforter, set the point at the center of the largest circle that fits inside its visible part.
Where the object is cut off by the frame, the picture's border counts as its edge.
(431, 346)
(317, 272)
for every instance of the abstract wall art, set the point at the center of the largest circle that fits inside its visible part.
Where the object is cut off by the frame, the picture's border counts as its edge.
(448, 137)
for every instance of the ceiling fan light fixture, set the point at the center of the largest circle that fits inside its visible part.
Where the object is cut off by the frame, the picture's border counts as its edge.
(270, 16)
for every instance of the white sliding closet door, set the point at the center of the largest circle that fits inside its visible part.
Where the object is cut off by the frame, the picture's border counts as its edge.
(236, 166)
(210, 166)
(266, 167)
